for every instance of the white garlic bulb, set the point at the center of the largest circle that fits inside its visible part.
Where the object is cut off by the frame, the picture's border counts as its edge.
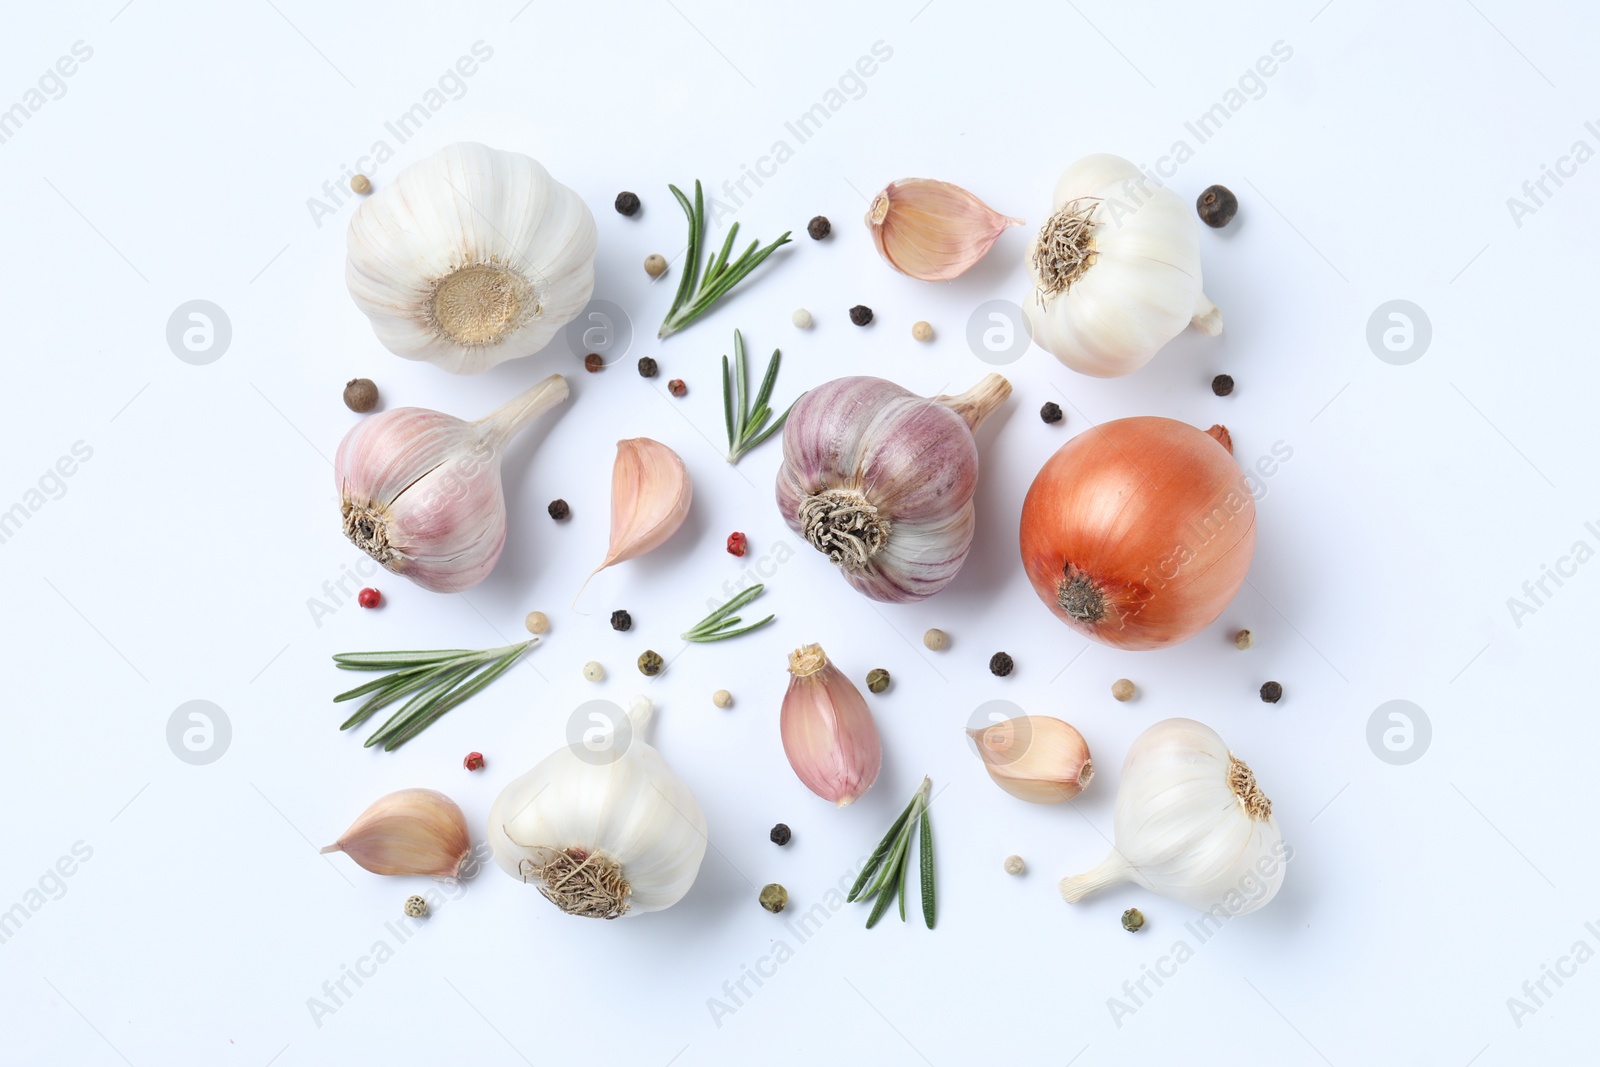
(603, 831)
(1115, 270)
(471, 257)
(1191, 824)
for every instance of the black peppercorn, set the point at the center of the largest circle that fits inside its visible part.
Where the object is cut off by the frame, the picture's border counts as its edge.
(1272, 692)
(780, 834)
(593, 362)
(861, 314)
(627, 203)
(1000, 664)
(819, 227)
(647, 367)
(558, 509)
(1051, 412)
(621, 620)
(1217, 206)
(1222, 384)
(676, 387)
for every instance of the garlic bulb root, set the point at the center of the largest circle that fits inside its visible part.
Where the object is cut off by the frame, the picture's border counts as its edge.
(1191, 824)
(602, 834)
(881, 481)
(470, 257)
(420, 491)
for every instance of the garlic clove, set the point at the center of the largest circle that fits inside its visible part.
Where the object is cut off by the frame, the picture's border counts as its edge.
(1035, 758)
(828, 732)
(650, 495)
(933, 230)
(412, 831)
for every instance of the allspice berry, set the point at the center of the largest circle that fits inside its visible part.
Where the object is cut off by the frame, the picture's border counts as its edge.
(1122, 689)
(361, 184)
(360, 395)
(1222, 384)
(1217, 206)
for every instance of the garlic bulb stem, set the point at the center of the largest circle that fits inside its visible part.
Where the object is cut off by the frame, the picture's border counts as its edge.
(509, 419)
(1207, 318)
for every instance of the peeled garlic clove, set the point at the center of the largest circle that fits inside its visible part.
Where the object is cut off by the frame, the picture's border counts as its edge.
(412, 831)
(828, 732)
(931, 229)
(1035, 758)
(470, 257)
(650, 495)
(420, 490)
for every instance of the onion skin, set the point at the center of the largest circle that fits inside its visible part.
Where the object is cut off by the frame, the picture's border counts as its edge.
(1144, 526)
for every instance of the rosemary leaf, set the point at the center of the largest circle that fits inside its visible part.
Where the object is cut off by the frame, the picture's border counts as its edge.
(880, 852)
(723, 635)
(714, 627)
(893, 869)
(434, 682)
(747, 420)
(385, 661)
(927, 869)
(696, 294)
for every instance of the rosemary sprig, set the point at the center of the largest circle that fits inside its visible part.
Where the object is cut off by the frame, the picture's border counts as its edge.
(888, 863)
(745, 425)
(435, 681)
(696, 294)
(715, 627)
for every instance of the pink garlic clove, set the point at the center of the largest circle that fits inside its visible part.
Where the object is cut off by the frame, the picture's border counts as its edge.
(828, 733)
(933, 230)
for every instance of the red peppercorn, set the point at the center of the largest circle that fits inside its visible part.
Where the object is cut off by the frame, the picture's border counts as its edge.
(473, 762)
(369, 598)
(676, 387)
(737, 543)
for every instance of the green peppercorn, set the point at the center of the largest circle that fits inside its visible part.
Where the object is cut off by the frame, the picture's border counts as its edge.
(877, 679)
(651, 663)
(621, 620)
(1217, 206)
(1133, 920)
(774, 897)
(1001, 664)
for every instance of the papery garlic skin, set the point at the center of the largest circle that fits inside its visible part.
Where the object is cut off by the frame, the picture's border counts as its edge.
(420, 491)
(1191, 825)
(1035, 758)
(881, 481)
(1115, 271)
(471, 257)
(828, 731)
(410, 831)
(618, 820)
(933, 230)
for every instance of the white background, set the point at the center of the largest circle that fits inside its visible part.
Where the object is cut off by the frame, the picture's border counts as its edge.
(180, 562)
